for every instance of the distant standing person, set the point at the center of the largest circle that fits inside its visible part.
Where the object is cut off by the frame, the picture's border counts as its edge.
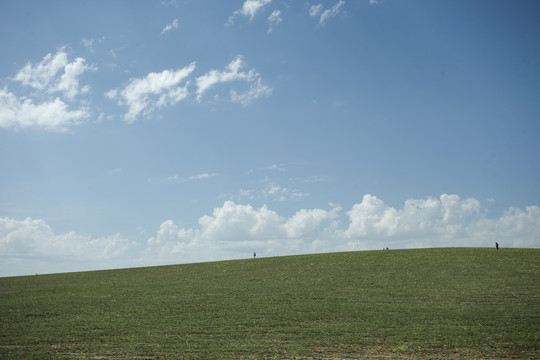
(497, 246)
(254, 255)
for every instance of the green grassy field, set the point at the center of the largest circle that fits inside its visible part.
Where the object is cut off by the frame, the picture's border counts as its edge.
(430, 303)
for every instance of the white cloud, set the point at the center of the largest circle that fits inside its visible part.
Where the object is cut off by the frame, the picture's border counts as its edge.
(172, 3)
(274, 19)
(271, 190)
(40, 75)
(34, 247)
(53, 74)
(373, 2)
(179, 179)
(68, 83)
(304, 222)
(276, 192)
(169, 27)
(256, 91)
(250, 8)
(233, 222)
(169, 240)
(88, 43)
(231, 231)
(440, 218)
(202, 176)
(516, 228)
(155, 90)
(236, 230)
(317, 10)
(52, 115)
(46, 76)
(272, 167)
(233, 72)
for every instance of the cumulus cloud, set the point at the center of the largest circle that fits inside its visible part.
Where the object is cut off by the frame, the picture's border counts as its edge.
(54, 74)
(317, 10)
(155, 90)
(169, 240)
(233, 73)
(169, 27)
(51, 115)
(68, 83)
(250, 8)
(31, 241)
(445, 217)
(305, 221)
(40, 75)
(236, 230)
(232, 222)
(48, 76)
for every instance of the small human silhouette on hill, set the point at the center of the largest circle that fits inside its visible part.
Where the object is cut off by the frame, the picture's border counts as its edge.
(254, 255)
(497, 246)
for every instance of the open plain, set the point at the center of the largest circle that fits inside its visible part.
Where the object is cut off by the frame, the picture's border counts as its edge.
(441, 303)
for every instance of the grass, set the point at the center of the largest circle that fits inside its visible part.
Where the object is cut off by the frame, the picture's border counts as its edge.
(431, 303)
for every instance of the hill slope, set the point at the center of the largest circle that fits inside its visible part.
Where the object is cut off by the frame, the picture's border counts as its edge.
(437, 303)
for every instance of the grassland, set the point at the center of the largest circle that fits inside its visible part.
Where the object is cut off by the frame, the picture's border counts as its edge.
(431, 303)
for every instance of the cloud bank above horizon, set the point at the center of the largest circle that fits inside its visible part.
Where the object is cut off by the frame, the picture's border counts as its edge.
(235, 231)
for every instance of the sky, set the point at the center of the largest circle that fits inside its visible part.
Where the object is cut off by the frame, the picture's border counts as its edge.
(141, 133)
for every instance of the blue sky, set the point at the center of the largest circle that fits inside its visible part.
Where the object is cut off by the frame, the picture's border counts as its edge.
(160, 132)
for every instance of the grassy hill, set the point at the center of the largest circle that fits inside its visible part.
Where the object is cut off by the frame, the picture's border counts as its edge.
(429, 303)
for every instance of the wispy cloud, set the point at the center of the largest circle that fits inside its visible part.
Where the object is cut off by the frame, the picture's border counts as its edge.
(88, 43)
(315, 179)
(172, 179)
(183, 178)
(233, 72)
(273, 167)
(274, 19)
(173, 3)
(270, 189)
(155, 90)
(315, 10)
(324, 15)
(256, 91)
(250, 8)
(202, 176)
(169, 27)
